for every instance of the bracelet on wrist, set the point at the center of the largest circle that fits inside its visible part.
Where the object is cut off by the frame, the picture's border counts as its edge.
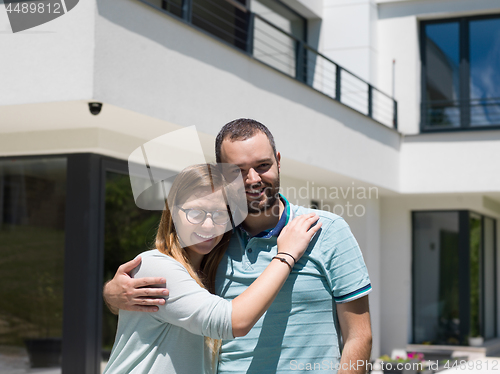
(288, 254)
(283, 260)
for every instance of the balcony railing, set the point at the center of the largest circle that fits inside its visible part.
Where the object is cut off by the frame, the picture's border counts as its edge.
(233, 23)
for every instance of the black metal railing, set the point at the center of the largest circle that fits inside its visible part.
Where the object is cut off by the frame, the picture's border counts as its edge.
(459, 114)
(232, 22)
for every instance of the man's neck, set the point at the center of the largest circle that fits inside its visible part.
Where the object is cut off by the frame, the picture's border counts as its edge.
(256, 223)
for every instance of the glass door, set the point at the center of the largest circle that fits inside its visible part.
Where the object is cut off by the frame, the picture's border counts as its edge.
(32, 234)
(436, 293)
(454, 277)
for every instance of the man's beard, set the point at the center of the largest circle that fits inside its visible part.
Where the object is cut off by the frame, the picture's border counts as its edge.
(271, 192)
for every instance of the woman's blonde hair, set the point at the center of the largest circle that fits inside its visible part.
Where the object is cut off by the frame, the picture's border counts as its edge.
(190, 181)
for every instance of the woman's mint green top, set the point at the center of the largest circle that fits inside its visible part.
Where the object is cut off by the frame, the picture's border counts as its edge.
(172, 339)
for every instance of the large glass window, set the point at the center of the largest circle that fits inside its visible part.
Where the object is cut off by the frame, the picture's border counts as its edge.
(489, 273)
(276, 26)
(484, 46)
(454, 294)
(475, 263)
(222, 19)
(442, 73)
(461, 63)
(435, 278)
(32, 215)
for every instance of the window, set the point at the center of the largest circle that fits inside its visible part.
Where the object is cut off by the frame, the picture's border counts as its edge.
(460, 63)
(228, 20)
(276, 30)
(454, 292)
(32, 236)
(224, 19)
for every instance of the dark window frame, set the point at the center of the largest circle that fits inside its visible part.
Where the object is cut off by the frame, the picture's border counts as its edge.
(464, 71)
(464, 269)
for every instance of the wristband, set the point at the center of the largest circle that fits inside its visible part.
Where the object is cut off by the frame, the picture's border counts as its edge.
(284, 261)
(288, 254)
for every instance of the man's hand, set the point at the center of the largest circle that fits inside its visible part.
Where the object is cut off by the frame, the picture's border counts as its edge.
(127, 293)
(354, 319)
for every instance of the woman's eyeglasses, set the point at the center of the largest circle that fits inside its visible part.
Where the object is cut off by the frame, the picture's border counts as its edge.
(197, 216)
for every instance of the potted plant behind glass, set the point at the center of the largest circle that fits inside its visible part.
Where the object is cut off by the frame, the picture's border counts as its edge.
(476, 340)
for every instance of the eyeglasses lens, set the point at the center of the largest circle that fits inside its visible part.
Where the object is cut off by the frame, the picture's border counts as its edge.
(195, 216)
(220, 217)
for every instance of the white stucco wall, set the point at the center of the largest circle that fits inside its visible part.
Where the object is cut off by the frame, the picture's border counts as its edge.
(451, 162)
(349, 36)
(51, 62)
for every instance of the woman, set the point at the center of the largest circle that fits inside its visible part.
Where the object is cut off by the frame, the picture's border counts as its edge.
(193, 233)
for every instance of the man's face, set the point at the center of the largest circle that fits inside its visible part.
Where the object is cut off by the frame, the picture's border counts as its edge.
(259, 168)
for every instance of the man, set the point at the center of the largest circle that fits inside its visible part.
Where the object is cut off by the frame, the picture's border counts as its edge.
(298, 332)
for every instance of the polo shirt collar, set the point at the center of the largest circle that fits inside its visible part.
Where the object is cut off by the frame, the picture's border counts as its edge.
(275, 231)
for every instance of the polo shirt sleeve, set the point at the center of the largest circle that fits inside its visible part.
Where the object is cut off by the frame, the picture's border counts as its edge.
(188, 305)
(344, 264)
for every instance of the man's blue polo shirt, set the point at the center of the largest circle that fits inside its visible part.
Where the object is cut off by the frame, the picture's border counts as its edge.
(298, 331)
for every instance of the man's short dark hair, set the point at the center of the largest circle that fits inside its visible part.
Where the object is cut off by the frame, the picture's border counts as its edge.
(241, 129)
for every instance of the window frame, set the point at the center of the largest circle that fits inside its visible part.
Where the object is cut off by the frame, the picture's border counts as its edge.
(464, 74)
(464, 269)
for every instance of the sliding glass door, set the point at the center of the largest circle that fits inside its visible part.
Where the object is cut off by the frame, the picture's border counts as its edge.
(32, 235)
(454, 277)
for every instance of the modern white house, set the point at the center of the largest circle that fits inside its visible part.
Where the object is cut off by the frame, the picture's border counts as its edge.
(386, 112)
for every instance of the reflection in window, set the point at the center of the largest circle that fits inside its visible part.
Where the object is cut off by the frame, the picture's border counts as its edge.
(489, 273)
(442, 73)
(222, 19)
(485, 72)
(32, 213)
(436, 298)
(280, 16)
(461, 60)
(271, 45)
(442, 300)
(475, 229)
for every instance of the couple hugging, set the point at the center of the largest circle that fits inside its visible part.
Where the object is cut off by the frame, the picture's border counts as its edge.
(260, 297)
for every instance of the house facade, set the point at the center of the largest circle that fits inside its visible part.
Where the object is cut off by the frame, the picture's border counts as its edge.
(386, 112)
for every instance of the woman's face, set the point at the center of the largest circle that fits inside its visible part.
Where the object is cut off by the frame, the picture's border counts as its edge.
(196, 229)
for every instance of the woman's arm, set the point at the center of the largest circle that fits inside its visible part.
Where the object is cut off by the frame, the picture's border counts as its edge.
(251, 304)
